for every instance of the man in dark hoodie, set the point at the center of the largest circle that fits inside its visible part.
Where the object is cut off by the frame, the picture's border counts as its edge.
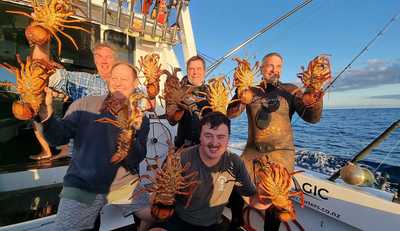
(187, 116)
(269, 120)
(91, 176)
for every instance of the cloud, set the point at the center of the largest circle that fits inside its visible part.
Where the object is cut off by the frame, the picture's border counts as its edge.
(385, 97)
(376, 72)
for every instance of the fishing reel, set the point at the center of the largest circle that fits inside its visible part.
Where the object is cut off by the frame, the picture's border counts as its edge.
(355, 175)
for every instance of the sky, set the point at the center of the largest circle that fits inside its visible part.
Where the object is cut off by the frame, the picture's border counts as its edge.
(340, 28)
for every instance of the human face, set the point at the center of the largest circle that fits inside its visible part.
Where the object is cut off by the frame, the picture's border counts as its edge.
(196, 72)
(122, 81)
(213, 143)
(104, 58)
(271, 69)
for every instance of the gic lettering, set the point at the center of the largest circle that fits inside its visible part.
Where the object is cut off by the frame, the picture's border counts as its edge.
(314, 190)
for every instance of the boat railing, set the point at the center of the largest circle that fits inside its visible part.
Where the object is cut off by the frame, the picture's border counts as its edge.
(130, 16)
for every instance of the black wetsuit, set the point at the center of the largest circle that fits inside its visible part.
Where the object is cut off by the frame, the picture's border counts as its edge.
(189, 125)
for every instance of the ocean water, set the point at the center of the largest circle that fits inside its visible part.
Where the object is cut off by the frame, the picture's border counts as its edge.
(341, 134)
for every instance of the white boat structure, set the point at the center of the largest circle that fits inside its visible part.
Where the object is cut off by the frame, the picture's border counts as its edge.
(328, 205)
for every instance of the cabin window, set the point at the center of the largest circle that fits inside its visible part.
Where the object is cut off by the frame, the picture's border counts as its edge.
(125, 49)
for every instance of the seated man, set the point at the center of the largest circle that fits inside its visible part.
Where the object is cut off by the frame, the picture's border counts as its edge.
(220, 172)
(91, 176)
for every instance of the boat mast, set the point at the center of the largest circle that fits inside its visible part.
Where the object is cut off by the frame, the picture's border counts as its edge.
(185, 23)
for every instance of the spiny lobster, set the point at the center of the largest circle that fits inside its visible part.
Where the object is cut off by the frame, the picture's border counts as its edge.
(168, 181)
(31, 80)
(48, 19)
(127, 124)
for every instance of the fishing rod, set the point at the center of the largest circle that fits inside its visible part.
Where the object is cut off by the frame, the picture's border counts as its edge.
(380, 33)
(254, 36)
(361, 155)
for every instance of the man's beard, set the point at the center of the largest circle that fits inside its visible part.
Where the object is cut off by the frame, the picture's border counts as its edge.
(273, 80)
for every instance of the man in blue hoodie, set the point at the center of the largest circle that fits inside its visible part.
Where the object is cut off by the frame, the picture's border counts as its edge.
(91, 176)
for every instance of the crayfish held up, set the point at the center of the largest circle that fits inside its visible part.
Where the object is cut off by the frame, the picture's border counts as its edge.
(273, 182)
(243, 80)
(127, 123)
(314, 78)
(48, 19)
(169, 181)
(151, 67)
(31, 80)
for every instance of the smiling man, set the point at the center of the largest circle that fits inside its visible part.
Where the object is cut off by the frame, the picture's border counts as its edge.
(269, 117)
(76, 85)
(91, 176)
(220, 172)
(188, 122)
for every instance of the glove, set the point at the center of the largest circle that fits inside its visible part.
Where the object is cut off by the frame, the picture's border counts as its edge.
(312, 97)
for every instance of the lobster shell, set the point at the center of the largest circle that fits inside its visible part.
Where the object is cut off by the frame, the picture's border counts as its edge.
(162, 212)
(22, 111)
(246, 96)
(37, 34)
(153, 89)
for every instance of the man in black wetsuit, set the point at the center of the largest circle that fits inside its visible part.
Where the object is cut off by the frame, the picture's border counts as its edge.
(269, 120)
(188, 122)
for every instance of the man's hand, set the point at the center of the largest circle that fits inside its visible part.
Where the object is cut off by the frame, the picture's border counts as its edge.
(59, 95)
(311, 98)
(189, 104)
(46, 109)
(138, 118)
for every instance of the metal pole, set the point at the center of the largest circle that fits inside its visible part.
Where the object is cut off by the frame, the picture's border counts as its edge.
(89, 9)
(254, 36)
(119, 13)
(361, 155)
(178, 14)
(132, 14)
(104, 13)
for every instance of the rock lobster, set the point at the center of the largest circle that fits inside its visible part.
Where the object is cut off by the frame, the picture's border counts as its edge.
(317, 73)
(169, 180)
(127, 124)
(150, 64)
(31, 80)
(48, 19)
(243, 80)
(273, 182)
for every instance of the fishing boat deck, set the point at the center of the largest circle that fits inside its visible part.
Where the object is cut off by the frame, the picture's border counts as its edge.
(27, 163)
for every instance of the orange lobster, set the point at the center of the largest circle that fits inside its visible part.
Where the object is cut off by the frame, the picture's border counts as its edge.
(150, 64)
(243, 80)
(48, 19)
(169, 180)
(31, 80)
(128, 125)
(273, 183)
(317, 73)
(174, 91)
(218, 91)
